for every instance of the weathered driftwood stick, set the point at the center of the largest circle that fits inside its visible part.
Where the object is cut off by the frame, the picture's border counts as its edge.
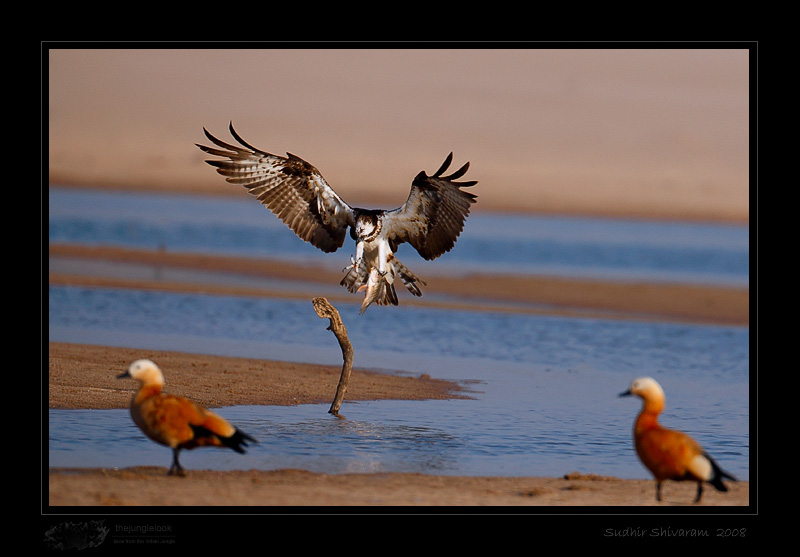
(324, 309)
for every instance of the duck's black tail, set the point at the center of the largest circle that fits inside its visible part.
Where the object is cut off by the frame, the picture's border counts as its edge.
(237, 441)
(717, 474)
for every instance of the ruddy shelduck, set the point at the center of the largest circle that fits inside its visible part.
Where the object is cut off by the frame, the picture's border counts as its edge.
(669, 454)
(175, 421)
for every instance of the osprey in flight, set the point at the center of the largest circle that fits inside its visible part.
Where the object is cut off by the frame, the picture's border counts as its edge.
(430, 220)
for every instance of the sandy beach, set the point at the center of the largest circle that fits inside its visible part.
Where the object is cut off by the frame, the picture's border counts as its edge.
(638, 134)
(150, 486)
(635, 133)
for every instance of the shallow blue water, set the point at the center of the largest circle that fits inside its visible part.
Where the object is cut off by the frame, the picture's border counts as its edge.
(544, 388)
(580, 247)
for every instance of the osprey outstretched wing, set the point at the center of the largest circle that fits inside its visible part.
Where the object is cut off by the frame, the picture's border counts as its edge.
(290, 187)
(433, 216)
(430, 220)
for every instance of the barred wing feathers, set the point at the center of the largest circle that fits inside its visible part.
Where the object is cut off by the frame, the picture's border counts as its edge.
(433, 216)
(290, 187)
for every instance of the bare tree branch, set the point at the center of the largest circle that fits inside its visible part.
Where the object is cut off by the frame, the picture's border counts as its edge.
(325, 309)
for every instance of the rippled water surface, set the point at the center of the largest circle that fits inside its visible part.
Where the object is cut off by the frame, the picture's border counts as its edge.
(544, 388)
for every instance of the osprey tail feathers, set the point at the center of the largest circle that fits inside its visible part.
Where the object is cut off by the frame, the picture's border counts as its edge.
(409, 279)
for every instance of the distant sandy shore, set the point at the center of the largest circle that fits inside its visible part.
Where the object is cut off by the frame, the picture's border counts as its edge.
(82, 376)
(511, 293)
(618, 132)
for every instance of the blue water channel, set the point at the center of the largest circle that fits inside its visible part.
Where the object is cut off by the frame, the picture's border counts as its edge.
(576, 247)
(543, 388)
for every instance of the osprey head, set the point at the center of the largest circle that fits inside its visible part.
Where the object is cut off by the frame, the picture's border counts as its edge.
(367, 226)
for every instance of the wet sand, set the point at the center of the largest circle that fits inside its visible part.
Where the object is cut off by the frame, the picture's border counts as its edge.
(85, 376)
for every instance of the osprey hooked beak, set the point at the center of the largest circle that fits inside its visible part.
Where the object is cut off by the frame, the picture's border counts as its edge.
(363, 230)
